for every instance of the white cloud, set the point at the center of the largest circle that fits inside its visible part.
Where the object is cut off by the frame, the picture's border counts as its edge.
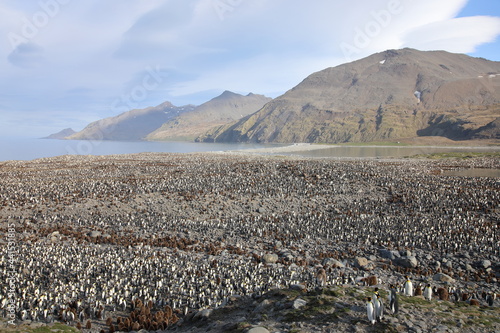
(460, 35)
(102, 48)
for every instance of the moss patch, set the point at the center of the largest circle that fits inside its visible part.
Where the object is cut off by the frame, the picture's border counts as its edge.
(54, 328)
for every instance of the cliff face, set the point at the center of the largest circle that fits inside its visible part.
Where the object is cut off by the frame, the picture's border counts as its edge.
(221, 110)
(392, 94)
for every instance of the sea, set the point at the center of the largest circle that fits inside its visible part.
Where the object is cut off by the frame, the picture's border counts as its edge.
(32, 148)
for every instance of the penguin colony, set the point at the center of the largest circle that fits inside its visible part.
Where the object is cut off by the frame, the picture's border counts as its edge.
(139, 241)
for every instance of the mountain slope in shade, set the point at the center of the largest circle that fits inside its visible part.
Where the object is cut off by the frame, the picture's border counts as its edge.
(393, 94)
(221, 110)
(131, 125)
(61, 134)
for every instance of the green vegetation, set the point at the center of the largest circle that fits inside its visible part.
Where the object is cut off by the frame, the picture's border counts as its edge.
(476, 316)
(458, 155)
(54, 328)
(416, 301)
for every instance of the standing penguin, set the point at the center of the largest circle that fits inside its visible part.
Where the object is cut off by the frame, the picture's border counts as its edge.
(393, 299)
(375, 295)
(490, 299)
(408, 287)
(370, 311)
(428, 292)
(379, 309)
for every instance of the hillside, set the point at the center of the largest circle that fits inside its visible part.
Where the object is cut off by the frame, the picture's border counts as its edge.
(61, 134)
(224, 109)
(131, 125)
(393, 94)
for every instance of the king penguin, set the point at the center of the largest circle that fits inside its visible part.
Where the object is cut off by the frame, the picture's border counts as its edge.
(490, 299)
(379, 309)
(375, 295)
(393, 299)
(370, 311)
(408, 287)
(428, 292)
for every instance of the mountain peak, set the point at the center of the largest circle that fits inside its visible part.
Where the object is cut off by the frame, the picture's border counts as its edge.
(219, 111)
(228, 94)
(387, 95)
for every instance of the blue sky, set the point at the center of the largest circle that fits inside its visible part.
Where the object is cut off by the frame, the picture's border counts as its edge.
(65, 63)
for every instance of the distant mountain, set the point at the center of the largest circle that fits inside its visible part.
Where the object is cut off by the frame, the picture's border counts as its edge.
(132, 125)
(393, 94)
(221, 110)
(61, 134)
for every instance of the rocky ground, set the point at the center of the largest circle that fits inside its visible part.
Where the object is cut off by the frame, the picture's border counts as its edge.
(249, 233)
(340, 309)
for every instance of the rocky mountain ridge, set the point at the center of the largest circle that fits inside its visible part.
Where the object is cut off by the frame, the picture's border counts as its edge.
(393, 94)
(221, 110)
(131, 125)
(169, 122)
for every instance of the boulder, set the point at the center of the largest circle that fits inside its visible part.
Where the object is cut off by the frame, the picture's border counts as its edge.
(258, 330)
(389, 254)
(203, 315)
(407, 262)
(94, 234)
(270, 258)
(361, 261)
(263, 306)
(298, 303)
(332, 263)
(485, 263)
(299, 287)
(443, 278)
(54, 237)
(406, 253)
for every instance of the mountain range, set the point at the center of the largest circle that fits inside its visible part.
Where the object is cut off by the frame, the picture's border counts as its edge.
(389, 95)
(131, 125)
(226, 108)
(393, 94)
(169, 122)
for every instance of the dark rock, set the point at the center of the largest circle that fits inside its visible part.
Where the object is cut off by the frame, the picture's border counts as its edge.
(407, 262)
(299, 287)
(389, 254)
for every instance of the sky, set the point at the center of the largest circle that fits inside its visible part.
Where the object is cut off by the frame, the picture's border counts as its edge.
(66, 63)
